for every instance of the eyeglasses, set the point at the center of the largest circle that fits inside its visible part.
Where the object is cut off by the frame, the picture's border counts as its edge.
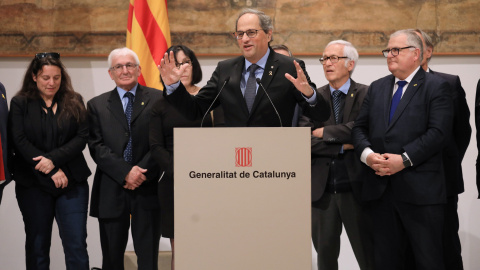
(47, 54)
(119, 68)
(188, 62)
(395, 51)
(251, 33)
(333, 59)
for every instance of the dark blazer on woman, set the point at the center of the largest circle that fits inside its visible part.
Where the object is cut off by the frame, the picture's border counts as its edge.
(25, 130)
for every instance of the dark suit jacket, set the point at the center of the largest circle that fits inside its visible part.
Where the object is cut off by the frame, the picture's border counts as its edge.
(461, 132)
(108, 138)
(25, 131)
(3, 132)
(334, 136)
(420, 127)
(282, 92)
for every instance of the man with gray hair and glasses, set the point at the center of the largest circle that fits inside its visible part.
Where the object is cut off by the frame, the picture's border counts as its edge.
(399, 134)
(258, 89)
(336, 183)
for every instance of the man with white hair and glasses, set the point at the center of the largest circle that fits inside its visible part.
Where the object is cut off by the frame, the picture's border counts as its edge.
(336, 183)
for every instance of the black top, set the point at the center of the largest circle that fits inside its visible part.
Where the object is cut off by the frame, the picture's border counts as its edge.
(37, 133)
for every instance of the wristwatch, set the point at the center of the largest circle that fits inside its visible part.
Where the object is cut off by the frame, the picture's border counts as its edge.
(406, 161)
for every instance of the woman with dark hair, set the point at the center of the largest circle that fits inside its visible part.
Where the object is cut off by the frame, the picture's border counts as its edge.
(49, 130)
(164, 118)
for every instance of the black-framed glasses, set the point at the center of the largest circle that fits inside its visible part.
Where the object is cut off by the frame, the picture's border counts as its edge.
(187, 62)
(251, 33)
(54, 55)
(333, 59)
(119, 67)
(395, 51)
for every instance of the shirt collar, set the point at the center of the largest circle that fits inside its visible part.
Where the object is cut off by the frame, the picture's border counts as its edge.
(344, 88)
(261, 63)
(122, 92)
(410, 77)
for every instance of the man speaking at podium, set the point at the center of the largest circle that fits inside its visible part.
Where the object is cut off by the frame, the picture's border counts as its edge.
(257, 89)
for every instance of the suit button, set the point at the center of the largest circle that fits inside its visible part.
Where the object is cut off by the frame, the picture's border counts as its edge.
(127, 134)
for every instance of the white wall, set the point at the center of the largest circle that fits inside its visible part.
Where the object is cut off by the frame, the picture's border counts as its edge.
(90, 78)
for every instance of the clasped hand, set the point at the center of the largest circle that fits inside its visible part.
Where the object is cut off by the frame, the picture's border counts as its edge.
(60, 179)
(135, 178)
(385, 164)
(44, 164)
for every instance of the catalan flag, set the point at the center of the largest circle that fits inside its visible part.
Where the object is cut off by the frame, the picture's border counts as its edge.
(148, 35)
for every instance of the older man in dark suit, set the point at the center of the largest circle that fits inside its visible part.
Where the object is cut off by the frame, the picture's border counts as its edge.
(336, 183)
(4, 173)
(234, 82)
(403, 126)
(453, 154)
(125, 182)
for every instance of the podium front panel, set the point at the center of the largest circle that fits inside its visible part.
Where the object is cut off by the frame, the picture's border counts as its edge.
(242, 198)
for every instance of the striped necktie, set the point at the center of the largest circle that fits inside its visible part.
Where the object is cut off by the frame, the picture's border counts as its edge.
(337, 101)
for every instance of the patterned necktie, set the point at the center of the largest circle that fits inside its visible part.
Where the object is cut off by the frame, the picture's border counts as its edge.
(396, 99)
(127, 154)
(251, 89)
(337, 101)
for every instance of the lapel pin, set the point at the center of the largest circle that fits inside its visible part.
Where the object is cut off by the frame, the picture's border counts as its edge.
(143, 103)
(270, 73)
(271, 67)
(351, 95)
(415, 85)
(3, 96)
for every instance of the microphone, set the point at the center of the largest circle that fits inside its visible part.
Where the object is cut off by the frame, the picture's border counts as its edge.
(208, 110)
(261, 85)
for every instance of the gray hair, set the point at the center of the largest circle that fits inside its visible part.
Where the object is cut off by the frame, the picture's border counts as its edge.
(121, 52)
(265, 20)
(428, 40)
(412, 39)
(282, 47)
(348, 51)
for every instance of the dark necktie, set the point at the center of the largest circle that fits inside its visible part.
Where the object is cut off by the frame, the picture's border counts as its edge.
(127, 154)
(251, 89)
(396, 98)
(337, 104)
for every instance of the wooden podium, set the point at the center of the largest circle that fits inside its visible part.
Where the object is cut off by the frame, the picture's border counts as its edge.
(242, 199)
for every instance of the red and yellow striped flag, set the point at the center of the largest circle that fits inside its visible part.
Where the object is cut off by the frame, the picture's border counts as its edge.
(148, 35)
